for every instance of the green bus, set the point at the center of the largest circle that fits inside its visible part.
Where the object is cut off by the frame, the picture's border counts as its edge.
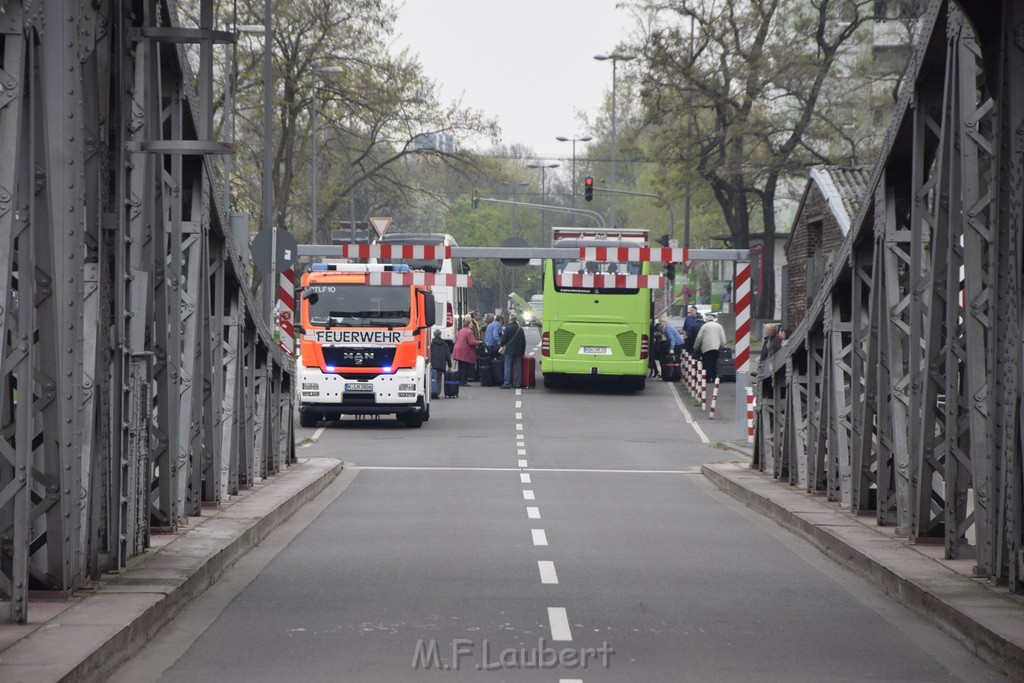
(594, 331)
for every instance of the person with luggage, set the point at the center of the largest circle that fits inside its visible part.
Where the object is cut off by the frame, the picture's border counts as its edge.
(654, 357)
(492, 335)
(513, 346)
(708, 343)
(675, 340)
(465, 351)
(440, 363)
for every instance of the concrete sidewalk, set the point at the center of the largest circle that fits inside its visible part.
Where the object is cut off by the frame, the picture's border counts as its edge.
(989, 621)
(89, 635)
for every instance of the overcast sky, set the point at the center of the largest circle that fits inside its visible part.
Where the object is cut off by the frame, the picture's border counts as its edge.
(529, 63)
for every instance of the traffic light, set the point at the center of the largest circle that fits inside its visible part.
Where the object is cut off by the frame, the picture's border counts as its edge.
(670, 272)
(663, 240)
(588, 188)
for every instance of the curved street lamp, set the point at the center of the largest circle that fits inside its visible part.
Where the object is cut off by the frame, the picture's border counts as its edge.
(614, 57)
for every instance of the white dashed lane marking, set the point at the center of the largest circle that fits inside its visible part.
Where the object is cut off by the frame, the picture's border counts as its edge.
(559, 620)
(522, 463)
(547, 571)
(528, 494)
(539, 537)
(533, 513)
(524, 479)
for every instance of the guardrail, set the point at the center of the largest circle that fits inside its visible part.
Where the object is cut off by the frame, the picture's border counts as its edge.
(138, 380)
(899, 394)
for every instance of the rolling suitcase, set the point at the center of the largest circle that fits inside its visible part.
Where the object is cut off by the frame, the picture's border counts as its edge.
(451, 386)
(498, 370)
(670, 371)
(436, 377)
(486, 372)
(528, 373)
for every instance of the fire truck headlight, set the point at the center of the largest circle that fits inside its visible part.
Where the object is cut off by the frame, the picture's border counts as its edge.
(329, 368)
(386, 368)
(407, 387)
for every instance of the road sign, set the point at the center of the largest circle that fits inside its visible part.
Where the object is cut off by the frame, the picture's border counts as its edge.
(287, 250)
(381, 224)
(517, 242)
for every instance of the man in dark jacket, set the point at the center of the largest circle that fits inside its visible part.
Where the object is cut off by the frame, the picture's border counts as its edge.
(440, 361)
(691, 328)
(514, 343)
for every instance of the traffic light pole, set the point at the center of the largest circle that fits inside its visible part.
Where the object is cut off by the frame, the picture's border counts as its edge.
(593, 215)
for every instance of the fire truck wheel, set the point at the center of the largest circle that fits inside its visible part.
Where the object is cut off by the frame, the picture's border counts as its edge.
(413, 419)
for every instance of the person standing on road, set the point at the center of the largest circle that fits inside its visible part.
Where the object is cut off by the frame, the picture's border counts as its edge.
(513, 345)
(691, 328)
(465, 351)
(440, 360)
(710, 339)
(492, 336)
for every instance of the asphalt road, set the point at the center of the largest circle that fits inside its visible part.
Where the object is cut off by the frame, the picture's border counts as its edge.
(518, 534)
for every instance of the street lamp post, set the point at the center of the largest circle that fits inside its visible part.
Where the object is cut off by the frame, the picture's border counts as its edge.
(543, 192)
(317, 69)
(615, 57)
(563, 138)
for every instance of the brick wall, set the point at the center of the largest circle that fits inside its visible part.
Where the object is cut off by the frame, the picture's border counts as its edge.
(806, 243)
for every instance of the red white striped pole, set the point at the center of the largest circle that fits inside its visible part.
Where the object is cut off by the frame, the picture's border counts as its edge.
(285, 311)
(703, 388)
(741, 289)
(691, 376)
(750, 415)
(714, 400)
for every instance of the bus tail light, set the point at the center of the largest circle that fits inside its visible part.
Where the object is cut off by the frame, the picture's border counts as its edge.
(449, 317)
(645, 347)
(545, 344)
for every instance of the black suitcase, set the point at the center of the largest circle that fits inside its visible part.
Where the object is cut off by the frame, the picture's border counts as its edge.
(498, 370)
(486, 373)
(670, 371)
(451, 386)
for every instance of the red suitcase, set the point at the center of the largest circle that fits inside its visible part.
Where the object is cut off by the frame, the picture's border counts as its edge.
(528, 372)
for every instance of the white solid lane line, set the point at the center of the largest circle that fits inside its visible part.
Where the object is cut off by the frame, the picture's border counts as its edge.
(539, 537)
(559, 621)
(686, 415)
(318, 432)
(528, 494)
(522, 463)
(415, 468)
(547, 571)
(524, 479)
(532, 513)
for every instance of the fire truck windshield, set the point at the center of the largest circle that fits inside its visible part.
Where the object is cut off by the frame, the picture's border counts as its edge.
(344, 305)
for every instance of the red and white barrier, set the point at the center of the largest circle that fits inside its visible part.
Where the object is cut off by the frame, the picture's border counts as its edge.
(284, 312)
(419, 279)
(743, 299)
(703, 380)
(750, 415)
(714, 399)
(396, 251)
(621, 254)
(609, 281)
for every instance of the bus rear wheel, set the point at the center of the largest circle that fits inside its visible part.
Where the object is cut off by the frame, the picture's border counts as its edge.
(550, 381)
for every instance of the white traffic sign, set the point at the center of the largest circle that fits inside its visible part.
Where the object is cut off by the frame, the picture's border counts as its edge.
(381, 225)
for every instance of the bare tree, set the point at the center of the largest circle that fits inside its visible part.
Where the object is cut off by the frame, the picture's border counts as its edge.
(744, 94)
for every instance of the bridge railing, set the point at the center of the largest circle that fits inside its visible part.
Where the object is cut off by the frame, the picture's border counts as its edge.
(138, 380)
(899, 395)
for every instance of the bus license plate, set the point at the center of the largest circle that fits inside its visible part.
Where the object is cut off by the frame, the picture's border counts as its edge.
(358, 386)
(598, 350)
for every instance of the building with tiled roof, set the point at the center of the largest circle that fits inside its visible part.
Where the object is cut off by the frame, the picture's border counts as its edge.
(829, 203)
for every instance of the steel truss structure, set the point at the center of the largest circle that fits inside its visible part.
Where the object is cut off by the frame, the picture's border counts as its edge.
(138, 380)
(899, 395)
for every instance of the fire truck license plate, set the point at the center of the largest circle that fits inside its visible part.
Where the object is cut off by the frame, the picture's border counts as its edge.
(358, 386)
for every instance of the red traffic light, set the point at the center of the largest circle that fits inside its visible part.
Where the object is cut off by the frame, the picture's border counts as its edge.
(588, 188)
